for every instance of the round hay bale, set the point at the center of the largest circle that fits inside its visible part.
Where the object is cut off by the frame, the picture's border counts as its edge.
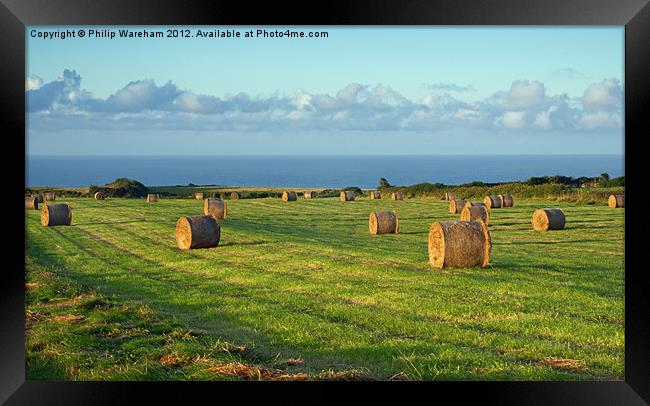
(50, 196)
(475, 213)
(56, 215)
(39, 197)
(548, 219)
(470, 204)
(347, 196)
(397, 196)
(450, 196)
(459, 244)
(152, 197)
(456, 205)
(198, 196)
(308, 195)
(31, 203)
(197, 232)
(216, 208)
(493, 202)
(616, 201)
(234, 196)
(507, 201)
(383, 222)
(99, 196)
(375, 194)
(289, 196)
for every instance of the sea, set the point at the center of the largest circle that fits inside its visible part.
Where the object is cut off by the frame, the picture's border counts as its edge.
(311, 171)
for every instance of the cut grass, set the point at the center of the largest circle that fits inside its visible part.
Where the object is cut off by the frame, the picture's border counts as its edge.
(301, 290)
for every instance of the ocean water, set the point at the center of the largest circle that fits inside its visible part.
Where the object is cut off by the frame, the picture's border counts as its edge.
(310, 171)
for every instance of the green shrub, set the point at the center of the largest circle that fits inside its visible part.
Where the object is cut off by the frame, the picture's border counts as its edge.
(121, 187)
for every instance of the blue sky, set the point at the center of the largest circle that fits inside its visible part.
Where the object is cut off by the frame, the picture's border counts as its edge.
(406, 90)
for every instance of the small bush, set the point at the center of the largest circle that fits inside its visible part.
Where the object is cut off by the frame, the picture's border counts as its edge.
(121, 187)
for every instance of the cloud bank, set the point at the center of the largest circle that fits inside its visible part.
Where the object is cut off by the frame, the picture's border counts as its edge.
(142, 104)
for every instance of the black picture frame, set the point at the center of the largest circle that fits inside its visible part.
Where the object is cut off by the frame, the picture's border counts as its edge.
(15, 15)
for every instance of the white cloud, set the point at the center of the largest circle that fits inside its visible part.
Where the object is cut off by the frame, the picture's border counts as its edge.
(33, 82)
(449, 87)
(143, 104)
(513, 119)
(604, 96)
(601, 119)
(543, 119)
(524, 94)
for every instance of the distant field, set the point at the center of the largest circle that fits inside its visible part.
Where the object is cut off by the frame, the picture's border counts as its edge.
(301, 290)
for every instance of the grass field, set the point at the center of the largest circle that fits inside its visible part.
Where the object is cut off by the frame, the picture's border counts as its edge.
(301, 290)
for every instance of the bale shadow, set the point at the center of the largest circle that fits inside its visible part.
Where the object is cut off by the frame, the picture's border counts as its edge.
(109, 222)
(234, 244)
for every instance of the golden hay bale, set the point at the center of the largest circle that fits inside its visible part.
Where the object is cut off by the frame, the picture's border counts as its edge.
(198, 195)
(383, 222)
(459, 244)
(470, 204)
(39, 197)
(234, 196)
(99, 196)
(50, 196)
(450, 196)
(197, 232)
(152, 197)
(289, 196)
(548, 219)
(615, 201)
(31, 203)
(397, 196)
(475, 213)
(216, 208)
(507, 201)
(456, 205)
(56, 215)
(375, 194)
(308, 195)
(493, 202)
(347, 196)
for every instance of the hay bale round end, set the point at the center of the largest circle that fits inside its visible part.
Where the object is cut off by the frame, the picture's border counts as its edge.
(197, 232)
(31, 203)
(383, 222)
(616, 201)
(475, 213)
(289, 196)
(234, 196)
(459, 244)
(308, 195)
(56, 215)
(216, 208)
(347, 196)
(493, 202)
(507, 201)
(548, 219)
(456, 205)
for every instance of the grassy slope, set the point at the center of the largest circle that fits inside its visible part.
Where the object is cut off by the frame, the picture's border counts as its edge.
(302, 288)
